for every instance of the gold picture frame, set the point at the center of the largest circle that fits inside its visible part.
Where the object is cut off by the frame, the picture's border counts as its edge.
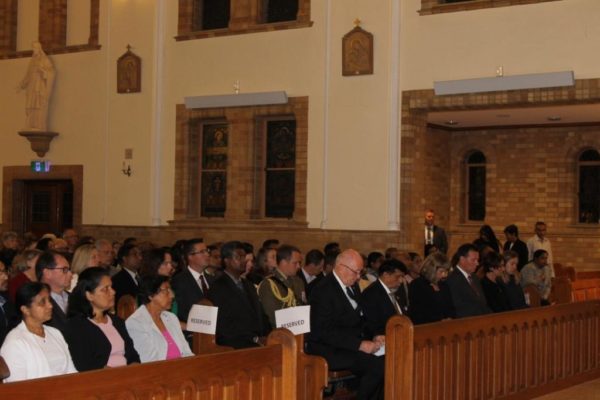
(357, 52)
(129, 72)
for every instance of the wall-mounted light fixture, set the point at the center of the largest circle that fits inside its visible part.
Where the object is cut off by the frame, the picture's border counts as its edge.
(126, 169)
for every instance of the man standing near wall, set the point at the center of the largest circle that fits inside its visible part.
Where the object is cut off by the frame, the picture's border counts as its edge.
(539, 241)
(434, 235)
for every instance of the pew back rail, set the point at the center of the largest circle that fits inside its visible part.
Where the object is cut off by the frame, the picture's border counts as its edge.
(265, 373)
(513, 355)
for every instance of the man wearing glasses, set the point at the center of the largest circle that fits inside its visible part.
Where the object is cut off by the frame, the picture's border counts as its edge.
(338, 331)
(53, 269)
(192, 283)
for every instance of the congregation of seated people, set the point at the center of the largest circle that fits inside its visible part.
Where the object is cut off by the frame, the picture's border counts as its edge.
(58, 296)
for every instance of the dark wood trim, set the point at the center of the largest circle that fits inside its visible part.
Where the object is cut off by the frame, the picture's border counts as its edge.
(525, 126)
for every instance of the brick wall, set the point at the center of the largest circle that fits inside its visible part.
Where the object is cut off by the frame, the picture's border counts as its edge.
(8, 25)
(531, 172)
(531, 176)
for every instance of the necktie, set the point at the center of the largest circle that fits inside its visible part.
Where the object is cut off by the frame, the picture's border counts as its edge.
(470, 279)
(429, 235)
(203, 284)
(395, 303)
(350, 293)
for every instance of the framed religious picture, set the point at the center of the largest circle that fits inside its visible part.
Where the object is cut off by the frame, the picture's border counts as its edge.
(357, 52)
(129, 73)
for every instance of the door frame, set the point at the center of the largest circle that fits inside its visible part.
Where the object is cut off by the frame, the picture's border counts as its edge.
(13, 186)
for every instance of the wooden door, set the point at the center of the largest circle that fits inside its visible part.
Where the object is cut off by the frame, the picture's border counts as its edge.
(48, 206)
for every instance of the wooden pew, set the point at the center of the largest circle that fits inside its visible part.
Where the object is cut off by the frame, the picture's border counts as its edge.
(312, 370)
(585, 289)
(263, 373)
(512, 355)
(126, 306)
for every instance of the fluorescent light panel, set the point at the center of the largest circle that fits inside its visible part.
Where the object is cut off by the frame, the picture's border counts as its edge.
(495, 84)
(236, 100)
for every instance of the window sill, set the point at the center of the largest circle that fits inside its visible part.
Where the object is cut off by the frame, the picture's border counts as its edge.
(215, 222)
(429, 7)
(276, 26)
(60, 50)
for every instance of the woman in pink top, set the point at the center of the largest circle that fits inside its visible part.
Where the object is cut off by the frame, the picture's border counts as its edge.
(96, 338)
(155, 331)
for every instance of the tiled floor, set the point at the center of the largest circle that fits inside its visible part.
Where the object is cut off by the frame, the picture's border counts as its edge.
(586, 391)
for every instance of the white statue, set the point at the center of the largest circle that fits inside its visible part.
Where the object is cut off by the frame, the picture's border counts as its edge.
(38, 83)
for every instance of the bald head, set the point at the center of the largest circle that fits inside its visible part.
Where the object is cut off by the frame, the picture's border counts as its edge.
(348, 266)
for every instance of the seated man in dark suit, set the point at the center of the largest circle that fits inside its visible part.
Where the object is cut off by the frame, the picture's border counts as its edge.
(378, 301)
(513, 243)
(464, 285)
(312, 271)
(126, 280)
(192, 283)
(241, 321)
(338, 330)
(53, 269)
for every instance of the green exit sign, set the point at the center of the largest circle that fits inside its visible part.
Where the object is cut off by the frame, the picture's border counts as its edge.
(40, 166)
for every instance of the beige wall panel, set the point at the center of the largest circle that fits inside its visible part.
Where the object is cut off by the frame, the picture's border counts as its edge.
(544, 37)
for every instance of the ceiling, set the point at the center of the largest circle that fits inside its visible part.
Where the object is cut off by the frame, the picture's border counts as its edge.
(554, 115)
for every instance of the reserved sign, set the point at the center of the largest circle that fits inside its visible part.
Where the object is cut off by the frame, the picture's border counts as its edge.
(202, 319)
(296, 319)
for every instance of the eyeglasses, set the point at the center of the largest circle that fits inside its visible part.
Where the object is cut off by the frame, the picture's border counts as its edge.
(203, 251)
(64, 270)
(165, 290)
(357, 273)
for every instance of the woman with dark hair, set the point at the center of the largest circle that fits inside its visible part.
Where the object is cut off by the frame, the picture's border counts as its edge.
(155, 331)
(429, 296)
(158, 262)
(33, 350)
(487, 238)
(493, 267)
(96, 338)
(511, 281)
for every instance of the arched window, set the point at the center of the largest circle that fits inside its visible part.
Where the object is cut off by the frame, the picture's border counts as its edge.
(589, 186)
(475, 184)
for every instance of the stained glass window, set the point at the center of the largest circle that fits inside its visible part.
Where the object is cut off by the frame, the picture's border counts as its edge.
(211, 14)
(280, 179)
(214, 170)
(280, 10)
(589, 187)
(476, 172)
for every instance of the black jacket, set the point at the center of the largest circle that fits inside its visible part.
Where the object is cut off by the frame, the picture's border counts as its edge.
(90, 348)
(241, 318)
(468, 300)
(377, 308)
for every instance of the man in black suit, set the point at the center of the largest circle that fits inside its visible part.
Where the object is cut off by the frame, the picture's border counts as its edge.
(52, 268)
(434, 235)
(338, 332)
(465, 287)
(241, 320)
(312, 271)
(8, 317)
(126, 281)
(513, 243)
(378, 301)
(192, 283)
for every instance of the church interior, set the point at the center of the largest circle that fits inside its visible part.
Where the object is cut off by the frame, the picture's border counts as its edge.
(309, 121)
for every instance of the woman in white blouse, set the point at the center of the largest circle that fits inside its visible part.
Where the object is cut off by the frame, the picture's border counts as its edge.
(155, 331)
(33, 350)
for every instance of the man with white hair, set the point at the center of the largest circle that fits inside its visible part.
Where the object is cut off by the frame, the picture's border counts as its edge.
(338, 330)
